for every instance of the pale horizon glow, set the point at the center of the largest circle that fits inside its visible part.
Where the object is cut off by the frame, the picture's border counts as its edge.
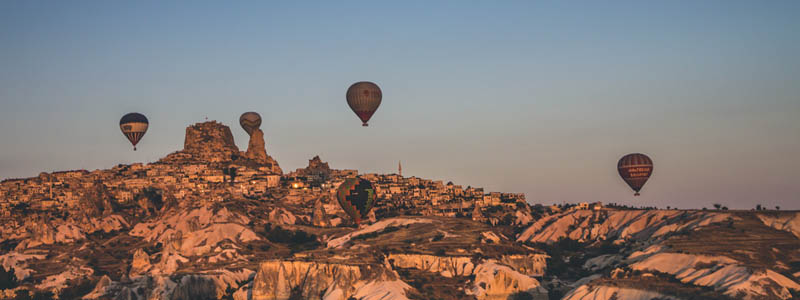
(541, 99)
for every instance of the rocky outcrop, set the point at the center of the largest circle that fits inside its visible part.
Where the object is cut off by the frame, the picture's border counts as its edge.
(97, 201)
(281, 280)
(19, 262)
(319, 217)
(588, 225)
(58, 281)
(141, 263)
(529, 264)
(722, 274)
(209, 136)
(316, 164)
(207, 142)
(280, 216)
(494, 281)
(782, 221)
(447, 266)
(212, 142)
(256, 150)
(586, 292)
(316, 172)
(340, 242)
(196, 232)
(48, 234)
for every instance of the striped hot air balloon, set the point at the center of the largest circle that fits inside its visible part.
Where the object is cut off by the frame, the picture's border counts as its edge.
(250, 121)
(356, 197)
(635, 169)
(364, 97)
(134, 126)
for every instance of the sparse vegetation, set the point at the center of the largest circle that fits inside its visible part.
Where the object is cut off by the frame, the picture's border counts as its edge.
(7, 278)
(77, 289)
(150, 200)
(39, 295)
(374, 234)
(296, 240)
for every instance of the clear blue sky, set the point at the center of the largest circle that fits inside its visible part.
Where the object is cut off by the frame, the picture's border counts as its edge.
(541, 98)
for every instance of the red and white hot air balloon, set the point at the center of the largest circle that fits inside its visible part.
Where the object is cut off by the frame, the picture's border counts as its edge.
(364, 97)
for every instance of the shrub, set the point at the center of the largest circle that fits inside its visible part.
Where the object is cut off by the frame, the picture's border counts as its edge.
(7, 278)
(376, 233)
(26, 295)
(521, 296)
(297, 240)
(76, 290)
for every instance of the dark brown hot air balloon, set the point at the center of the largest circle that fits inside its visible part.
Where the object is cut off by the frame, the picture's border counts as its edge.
(635, 169)
(250, 121)
(364, 97)
(134, 126)
(356, 197)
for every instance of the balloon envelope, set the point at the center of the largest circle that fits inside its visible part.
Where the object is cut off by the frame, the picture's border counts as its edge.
(635, 169)
(134, 126)
(250, 121)
(356, 197)
(364, 97)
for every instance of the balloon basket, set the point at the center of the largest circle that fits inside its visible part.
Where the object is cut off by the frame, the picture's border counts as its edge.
(365, 124)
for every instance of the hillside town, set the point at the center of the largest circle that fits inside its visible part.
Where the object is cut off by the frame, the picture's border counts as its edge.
(211, 168)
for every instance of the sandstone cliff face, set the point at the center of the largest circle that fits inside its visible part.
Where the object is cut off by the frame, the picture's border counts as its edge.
(529, 264)
(280, 280)
(447, 266)
(494, 281)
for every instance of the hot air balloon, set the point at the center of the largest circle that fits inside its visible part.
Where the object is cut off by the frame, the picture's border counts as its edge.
(134, 126)
(364, 97)
(356, 197)
(250, 121)
(635, 169)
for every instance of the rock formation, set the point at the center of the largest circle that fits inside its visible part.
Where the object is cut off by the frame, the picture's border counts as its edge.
(141, 263)
(317, 164)
(207, 142)
(317, 170)
(319, 217)
(212, 142)
(279, 280)
(97, 201)
(209, 136)
(257, 151)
